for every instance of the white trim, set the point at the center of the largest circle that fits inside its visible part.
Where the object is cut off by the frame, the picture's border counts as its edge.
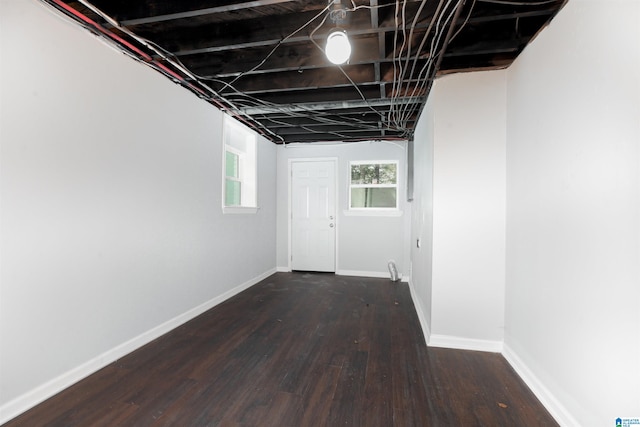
(459, 343)
(548, 400)
(247, 176)
(28, 400)
(283, 269)
(377, 274)
(374, 162)
(422, 318)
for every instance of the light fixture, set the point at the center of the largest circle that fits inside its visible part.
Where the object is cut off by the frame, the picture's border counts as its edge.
(338, 48)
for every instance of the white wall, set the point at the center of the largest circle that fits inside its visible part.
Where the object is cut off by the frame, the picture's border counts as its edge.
(469, 210)
(422, 217)
(365, 244)
(573, 213)
(111, 222)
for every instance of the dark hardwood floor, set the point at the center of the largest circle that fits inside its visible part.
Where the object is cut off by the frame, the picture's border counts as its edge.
(299, 350)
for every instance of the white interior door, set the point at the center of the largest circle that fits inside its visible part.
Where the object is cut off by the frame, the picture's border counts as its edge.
(313, 213)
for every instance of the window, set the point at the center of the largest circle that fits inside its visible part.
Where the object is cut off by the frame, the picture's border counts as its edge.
(233, 183)
(373, 185)
(239, 168)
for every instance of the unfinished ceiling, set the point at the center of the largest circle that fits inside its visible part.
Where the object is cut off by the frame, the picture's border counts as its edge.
(263, 61)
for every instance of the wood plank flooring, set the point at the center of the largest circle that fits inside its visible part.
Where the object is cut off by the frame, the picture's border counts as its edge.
(295, 350)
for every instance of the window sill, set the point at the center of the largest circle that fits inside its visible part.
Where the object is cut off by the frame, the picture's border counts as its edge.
(373, 212)
(239, 210)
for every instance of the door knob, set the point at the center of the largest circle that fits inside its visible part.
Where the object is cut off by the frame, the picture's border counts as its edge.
(331, 225)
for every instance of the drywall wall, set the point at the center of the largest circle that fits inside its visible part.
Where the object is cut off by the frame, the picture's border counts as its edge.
(111, 220)
(573, 213)
(421, 241)
(469, 211)
(365, 243)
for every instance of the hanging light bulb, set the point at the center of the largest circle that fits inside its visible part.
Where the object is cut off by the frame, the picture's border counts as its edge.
(338, 48)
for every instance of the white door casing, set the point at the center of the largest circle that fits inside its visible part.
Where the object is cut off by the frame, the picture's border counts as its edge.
(313, 215)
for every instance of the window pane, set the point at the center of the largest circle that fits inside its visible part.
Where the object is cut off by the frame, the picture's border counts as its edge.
(373, 197)
(232, 194)
(239, 157)
(374, 173)
(231, 164)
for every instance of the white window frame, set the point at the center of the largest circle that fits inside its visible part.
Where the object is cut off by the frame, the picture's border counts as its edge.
(242, 141)
(374, 210)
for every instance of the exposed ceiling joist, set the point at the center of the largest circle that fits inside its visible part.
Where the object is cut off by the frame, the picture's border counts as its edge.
(202, 12)
(263, 61)
(325, 106)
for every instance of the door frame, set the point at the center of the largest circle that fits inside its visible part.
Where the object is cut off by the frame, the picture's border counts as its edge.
(290, 163)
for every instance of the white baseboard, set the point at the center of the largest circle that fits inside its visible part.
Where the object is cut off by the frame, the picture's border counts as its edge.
(459, 343)
(358, 273)
(446, 341)
(39, 394)
(422, 318)
(377, 274)
(548, 400)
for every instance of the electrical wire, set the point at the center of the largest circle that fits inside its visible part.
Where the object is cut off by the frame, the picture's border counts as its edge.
(427, 73)
(227, 85)
(202, 90)
(410, 38)
(401, 121)
(464, 23)
(245, 99)
(307, 114)
(402, 101)
(399, 69)
(355, 86)
(397, 78)
(281, 42)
